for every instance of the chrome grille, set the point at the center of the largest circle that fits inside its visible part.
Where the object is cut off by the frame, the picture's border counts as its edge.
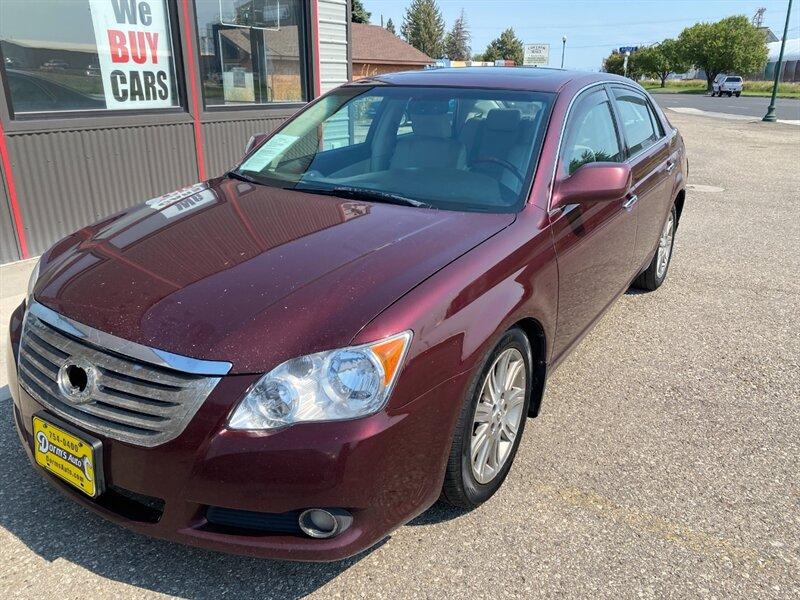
(131, 400)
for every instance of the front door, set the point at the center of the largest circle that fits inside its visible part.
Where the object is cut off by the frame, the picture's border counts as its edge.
(594, 241)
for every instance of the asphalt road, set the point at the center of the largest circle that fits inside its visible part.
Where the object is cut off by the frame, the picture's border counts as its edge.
(785, 108)
(665, 462)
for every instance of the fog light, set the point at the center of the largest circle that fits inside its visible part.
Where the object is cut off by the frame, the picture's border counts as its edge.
(322, 524)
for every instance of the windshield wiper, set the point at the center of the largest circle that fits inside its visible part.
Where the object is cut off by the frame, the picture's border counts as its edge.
(356, 193)
(242, 177)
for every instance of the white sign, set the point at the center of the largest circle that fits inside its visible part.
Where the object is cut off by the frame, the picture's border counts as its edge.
(133, 51)
(537, 55)
(269, 152)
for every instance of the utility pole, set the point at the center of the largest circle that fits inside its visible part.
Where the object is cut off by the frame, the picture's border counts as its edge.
(563, 49)
(625, 62)
(770, 116)
(758, 18)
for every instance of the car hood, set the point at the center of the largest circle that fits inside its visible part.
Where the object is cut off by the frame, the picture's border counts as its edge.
(250, 274)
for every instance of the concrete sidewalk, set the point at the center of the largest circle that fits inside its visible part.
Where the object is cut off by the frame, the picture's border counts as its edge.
(13, 286)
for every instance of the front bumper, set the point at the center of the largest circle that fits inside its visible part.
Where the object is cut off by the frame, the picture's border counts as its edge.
(384, 469)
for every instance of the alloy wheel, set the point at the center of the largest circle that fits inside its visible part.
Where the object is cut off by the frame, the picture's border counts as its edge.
(665, 247)
(498, 415)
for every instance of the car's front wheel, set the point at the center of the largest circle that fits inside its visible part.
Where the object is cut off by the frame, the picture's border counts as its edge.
(656, 272)
(491, 423)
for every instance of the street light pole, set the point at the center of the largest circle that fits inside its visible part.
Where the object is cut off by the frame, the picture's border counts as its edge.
(770, 116)
(563, 49)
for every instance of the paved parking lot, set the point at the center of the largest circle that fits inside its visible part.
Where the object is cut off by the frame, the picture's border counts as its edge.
(750, 106)
(665, 462)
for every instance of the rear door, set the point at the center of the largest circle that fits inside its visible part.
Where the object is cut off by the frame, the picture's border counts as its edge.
(594, 241)
(653, 167)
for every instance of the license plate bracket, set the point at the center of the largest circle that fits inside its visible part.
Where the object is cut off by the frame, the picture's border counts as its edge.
(68, 453)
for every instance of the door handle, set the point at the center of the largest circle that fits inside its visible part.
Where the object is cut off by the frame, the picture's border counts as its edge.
(670, 166)
(630, 202)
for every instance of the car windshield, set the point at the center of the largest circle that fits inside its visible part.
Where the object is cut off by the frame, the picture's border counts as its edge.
(448, 148)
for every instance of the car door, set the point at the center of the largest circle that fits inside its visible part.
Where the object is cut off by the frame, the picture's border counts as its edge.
(594, 241)
(652, 167)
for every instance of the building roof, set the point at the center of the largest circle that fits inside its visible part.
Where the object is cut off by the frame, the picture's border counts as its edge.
(768, 34)
(791, 52)
(281, 43)
(375, 45)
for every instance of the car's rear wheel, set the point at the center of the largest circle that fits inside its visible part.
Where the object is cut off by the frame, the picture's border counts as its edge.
(655, 274)
(491, 423)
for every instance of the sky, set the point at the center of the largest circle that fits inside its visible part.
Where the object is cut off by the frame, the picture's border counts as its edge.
(593, 27)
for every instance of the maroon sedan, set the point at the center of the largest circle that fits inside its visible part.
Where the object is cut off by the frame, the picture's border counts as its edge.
(296, 358)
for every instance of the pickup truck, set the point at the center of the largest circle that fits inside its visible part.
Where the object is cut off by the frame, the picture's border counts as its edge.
(727, 84)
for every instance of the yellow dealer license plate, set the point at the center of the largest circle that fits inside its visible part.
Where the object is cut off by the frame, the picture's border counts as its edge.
(68, 454)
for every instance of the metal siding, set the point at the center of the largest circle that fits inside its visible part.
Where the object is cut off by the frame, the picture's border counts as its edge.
(224, 141)
(8, 240)
(332, 43)
(68, 179)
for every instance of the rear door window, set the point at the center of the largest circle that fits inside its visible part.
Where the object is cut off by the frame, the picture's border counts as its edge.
(639, 122)
(591, 133)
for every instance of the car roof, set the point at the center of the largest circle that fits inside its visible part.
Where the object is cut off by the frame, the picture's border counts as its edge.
(535, 79)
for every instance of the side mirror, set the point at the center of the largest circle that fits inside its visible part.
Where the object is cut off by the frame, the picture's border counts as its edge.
(593, 182)
(254, 142)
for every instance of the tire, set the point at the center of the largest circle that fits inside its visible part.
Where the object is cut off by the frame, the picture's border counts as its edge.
(730, 94)
(738, 94)
(463, 487)
(654, 275)
(713, 93)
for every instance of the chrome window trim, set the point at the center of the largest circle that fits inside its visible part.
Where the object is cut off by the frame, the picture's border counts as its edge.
(107, 341)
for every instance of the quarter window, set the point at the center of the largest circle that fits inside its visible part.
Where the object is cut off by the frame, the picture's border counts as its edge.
(251, 51)
(639, 123)
(591, 134)
(77, 55)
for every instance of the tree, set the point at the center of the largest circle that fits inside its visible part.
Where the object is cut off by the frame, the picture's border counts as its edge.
(390, 26)
(615, 63)
(456, 44)
(359, 14)
(732, 45)
(423, 27)
(659, 60)
(507, 47)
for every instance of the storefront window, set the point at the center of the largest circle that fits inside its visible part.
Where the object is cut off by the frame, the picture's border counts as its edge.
(77, 55)
(251, 51)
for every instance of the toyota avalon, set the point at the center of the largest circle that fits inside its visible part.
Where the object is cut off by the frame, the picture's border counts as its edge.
(295, 358)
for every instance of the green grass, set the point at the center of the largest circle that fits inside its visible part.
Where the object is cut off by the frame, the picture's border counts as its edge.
(697, 86)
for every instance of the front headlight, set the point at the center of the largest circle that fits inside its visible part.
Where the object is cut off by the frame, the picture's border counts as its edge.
(32, 283)
(328, 386)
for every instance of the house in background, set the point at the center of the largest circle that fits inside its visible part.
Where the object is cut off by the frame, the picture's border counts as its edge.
(376, 51)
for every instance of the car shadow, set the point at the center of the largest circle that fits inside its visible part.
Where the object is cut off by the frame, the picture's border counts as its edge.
(53, 527)
(632, 291)
(438, 513)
